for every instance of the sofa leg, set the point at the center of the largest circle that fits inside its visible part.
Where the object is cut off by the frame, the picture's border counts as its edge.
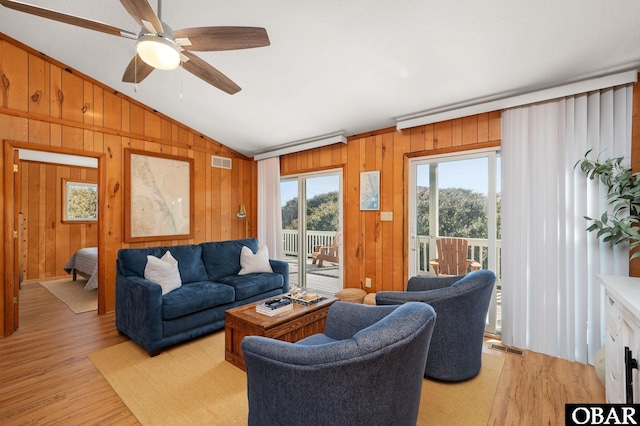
(154, 352)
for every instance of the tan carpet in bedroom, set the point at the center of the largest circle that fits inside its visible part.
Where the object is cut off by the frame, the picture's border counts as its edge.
(73, 294)
(193, 384)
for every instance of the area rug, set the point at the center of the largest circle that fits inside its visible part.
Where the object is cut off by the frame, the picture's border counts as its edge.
(193, 384)
(73, 294)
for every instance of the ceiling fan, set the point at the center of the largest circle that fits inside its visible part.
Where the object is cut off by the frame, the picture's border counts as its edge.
(158, 46)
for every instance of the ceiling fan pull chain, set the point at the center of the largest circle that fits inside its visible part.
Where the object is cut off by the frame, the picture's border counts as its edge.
(181, 73)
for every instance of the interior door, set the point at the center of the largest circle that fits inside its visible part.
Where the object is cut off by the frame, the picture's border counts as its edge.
(16, 240)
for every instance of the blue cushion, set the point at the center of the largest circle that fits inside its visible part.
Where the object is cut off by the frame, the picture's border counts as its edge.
(133, 261)
(194, 297)
(190, 264)
(222, 258)
(251, 284)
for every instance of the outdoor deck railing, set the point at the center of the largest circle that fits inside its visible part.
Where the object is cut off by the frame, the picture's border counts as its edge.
(478, 248)
(478, 251)
(314, 238)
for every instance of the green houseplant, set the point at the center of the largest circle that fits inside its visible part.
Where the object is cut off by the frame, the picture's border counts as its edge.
(623, 193)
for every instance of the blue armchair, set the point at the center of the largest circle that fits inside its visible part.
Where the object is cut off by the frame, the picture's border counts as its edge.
(461, 303)
(366, 369)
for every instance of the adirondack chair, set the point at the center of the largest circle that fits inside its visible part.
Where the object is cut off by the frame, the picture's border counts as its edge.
(328, 253)
(452, 258)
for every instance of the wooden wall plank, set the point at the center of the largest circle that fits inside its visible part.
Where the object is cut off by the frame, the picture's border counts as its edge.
(400, 213)
(470, 130)
(376, 282)
(387, 245)
(483, 127)
(442, 135)
(14, 70)
(42, 221)
(152, 125)
(39, 132)
(417, 138)
(495, 125)
(87, 109)
(39, 90)
(72, 97)
(199, 181)
(112, 111)
(55, 86)
(51, 202)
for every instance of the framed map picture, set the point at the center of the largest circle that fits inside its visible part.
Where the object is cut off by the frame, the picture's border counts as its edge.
(370, 190)
(158, 196)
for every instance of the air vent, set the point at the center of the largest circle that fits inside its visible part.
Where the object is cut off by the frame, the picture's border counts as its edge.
(220, 162)
(505, 349)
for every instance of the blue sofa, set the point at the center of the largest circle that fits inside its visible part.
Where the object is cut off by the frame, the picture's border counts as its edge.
(210, 286)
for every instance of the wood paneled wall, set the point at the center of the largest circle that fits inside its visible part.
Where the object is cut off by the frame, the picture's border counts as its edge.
(373, 248)
(46, 243)
(45, 105)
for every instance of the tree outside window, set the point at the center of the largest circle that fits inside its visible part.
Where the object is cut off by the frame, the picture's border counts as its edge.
(80, 201)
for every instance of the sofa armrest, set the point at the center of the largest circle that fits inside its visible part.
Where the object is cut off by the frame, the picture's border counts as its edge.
(281, 267)
(139, 309)
(345, 319)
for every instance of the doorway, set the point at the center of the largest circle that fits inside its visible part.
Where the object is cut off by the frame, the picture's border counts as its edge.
(457, 196)
(34, 213)
(312, 229)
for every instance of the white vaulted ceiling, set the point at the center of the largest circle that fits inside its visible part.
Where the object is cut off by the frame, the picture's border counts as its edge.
(346, 65)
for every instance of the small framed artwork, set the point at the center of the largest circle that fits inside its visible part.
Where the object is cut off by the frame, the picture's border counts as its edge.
(158, 196)
(370, 190)
(79, 201)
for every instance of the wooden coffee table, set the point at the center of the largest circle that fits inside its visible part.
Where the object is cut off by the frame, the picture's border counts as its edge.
(300, 322)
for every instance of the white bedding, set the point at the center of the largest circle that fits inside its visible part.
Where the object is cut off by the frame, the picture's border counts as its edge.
(85, 260)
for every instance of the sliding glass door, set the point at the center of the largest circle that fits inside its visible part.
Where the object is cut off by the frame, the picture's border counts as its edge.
(457, 196)
(312, 228)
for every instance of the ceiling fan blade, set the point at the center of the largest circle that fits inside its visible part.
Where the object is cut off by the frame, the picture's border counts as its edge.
(67, 19)
(206, 72)
(137, 70)
(222, 38)
(143, 13)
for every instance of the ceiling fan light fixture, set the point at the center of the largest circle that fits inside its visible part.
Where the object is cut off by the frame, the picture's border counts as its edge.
(158, 51)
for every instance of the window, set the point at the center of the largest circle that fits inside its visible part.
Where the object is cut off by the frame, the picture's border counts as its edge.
(79, 201)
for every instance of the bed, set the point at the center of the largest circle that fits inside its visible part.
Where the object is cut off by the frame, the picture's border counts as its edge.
(84, 262)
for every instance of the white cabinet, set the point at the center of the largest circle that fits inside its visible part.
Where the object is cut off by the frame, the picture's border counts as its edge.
(622, 320)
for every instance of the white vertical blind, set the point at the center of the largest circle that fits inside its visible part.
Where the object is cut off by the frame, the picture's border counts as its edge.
(552, 302)
(269, 209)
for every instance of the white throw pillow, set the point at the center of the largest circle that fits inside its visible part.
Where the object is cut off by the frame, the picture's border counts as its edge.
(163, 271)
(252, 263)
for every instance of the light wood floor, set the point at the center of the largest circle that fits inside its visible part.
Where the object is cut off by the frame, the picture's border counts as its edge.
(46, 377)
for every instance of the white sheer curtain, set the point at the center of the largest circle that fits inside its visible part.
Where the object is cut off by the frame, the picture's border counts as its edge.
(269, 209)
(551, 300)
